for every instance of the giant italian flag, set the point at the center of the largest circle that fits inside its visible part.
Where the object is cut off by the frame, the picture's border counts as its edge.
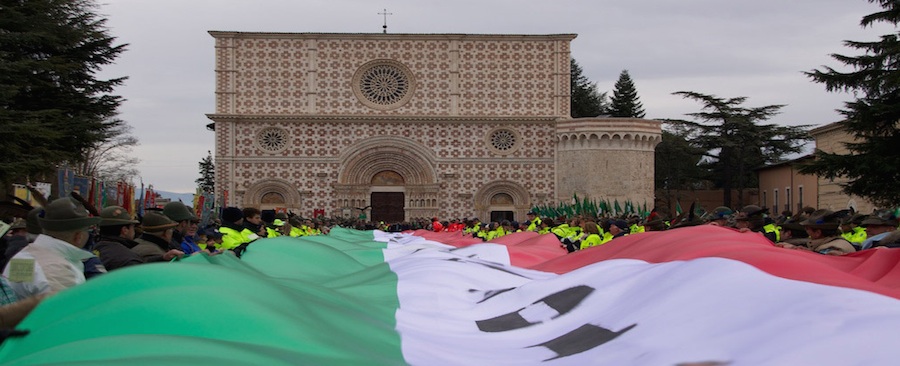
(701, 295)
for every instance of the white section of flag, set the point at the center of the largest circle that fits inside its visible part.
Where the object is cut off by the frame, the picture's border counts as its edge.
(704, 310)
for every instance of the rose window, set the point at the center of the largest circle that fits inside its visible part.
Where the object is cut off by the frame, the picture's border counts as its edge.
(503, 140)
(272, 139)
(383, 84)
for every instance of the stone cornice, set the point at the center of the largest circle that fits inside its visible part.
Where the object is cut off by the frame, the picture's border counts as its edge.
(371, 118)
(608, 125)
(396, 36)
(334, 159)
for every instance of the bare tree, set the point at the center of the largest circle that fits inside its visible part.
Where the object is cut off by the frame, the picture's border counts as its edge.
(111, 159)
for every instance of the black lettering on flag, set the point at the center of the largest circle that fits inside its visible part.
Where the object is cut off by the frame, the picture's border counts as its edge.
(491, 293)
(499, 268)
(566, 300)
(586, 337)
(563, 302)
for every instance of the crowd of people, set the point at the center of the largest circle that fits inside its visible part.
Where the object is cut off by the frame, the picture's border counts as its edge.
(68, 242)
(821, 231)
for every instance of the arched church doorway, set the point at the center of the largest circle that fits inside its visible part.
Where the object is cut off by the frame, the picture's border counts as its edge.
(272, 194)
(395, 175)
(387, 197)
(502, 207)
(502, 200)
(272, 201)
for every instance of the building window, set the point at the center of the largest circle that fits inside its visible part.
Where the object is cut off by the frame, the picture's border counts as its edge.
(775, 199)
(383, 84)
(787, 199)
(765, 199)
(272, 139)
(504, 141)
(800, 198)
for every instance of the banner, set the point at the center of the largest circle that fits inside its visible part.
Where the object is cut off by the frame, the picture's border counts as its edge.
(142, 201)
(45, 188)
(150, 198)
(22, 193)
(199, 201)
(120, 193)
(128, 198)
(94, 194)
(701, 295)
(65, 182)
(81, 185)
(208, 208)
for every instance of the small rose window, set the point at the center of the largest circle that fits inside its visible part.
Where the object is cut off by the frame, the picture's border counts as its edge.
(272, 139)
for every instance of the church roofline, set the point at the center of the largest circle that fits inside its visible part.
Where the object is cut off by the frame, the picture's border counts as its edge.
(442, 36)
(356, 118)
(826, 128)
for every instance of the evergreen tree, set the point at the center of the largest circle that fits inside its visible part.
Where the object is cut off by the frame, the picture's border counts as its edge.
(586, 100)
(207, 180)
(676, 165)
(52, 107)
(873, 165)
(735, 143)
(625, 101)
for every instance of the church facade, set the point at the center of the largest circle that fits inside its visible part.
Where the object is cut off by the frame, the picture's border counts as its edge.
(405, 126)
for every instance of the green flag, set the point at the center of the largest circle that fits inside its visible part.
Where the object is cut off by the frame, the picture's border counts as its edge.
(578, 207)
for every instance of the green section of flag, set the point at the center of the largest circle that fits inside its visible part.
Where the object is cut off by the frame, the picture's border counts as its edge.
(315, 300)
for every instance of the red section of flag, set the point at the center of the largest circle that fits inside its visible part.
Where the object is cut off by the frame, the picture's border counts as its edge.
(525, 249)
(874, 270)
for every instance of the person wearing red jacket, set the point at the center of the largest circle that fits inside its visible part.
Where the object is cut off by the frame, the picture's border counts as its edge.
(436, 225)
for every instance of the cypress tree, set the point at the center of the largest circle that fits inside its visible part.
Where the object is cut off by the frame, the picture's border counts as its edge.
(207, 180)
(586, 100)
(625, 101)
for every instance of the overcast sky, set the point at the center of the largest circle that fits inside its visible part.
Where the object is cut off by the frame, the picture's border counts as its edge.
(756, 49)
